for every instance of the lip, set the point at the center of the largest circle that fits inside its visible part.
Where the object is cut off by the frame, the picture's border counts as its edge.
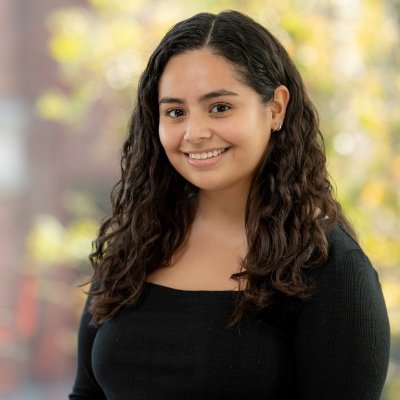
(208, 162)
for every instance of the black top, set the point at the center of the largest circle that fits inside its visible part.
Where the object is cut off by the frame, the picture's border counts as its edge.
(174, 344)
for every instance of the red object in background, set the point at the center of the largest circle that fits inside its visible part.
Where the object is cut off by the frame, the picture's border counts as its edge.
(27, 308)
(13, 338)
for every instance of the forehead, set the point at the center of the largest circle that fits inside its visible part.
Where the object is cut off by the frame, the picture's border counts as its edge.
(198, 71)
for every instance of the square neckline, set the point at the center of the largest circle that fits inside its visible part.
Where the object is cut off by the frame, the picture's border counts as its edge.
(172, 290)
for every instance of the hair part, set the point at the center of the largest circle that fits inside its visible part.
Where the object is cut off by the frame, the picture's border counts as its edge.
(290, 207)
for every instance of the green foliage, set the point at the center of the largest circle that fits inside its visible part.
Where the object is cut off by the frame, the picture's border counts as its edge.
(51, 243)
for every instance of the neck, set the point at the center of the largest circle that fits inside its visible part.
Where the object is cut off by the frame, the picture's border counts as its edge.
(227, 206)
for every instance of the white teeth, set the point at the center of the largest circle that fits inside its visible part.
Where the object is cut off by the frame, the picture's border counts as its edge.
(203, 156)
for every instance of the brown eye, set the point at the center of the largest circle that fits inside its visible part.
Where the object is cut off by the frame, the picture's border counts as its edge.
(175, 113)
(220, 108)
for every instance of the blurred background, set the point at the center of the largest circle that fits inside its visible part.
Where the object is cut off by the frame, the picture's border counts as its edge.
(68, 74)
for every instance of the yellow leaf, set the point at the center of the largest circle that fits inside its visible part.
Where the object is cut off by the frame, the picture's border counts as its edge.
(52, 105)
(373, 194)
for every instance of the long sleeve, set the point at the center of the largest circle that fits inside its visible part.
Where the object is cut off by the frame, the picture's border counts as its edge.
(342, 336)
(86, 387)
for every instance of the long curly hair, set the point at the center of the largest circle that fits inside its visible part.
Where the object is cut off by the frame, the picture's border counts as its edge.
(290, 206)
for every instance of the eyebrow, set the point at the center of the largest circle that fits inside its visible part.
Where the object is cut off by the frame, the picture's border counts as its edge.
(207, 96)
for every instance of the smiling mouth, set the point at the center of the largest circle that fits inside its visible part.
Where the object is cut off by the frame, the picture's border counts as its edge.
(206, 155)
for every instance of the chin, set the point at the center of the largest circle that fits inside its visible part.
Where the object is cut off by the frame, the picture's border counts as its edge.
(212, 186)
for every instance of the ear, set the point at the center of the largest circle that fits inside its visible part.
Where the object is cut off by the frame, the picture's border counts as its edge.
(278, 107)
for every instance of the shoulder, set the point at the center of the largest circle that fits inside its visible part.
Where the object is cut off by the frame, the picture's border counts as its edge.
(347, 271)
(345, 256)
(341, 242)
(342, 333)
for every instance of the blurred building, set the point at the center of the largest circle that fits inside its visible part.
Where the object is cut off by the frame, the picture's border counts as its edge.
(38, 161)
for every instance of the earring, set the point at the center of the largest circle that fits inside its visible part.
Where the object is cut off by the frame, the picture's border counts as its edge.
(278, 128)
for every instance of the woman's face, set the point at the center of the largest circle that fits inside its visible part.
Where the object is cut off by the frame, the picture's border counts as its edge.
(214, 128)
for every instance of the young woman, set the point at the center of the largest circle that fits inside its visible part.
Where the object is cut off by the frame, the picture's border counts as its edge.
(227, 269)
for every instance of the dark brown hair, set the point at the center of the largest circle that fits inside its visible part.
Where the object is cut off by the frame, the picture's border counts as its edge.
(290, 206)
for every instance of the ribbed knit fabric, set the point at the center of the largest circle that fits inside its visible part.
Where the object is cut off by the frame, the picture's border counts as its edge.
(174, 344)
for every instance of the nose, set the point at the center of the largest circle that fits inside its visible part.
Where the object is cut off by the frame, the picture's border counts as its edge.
(196, 130)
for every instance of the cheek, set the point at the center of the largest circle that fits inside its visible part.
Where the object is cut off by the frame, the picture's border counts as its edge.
(170, 140)
(264, 139)
(260, 148)
(165, 137)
